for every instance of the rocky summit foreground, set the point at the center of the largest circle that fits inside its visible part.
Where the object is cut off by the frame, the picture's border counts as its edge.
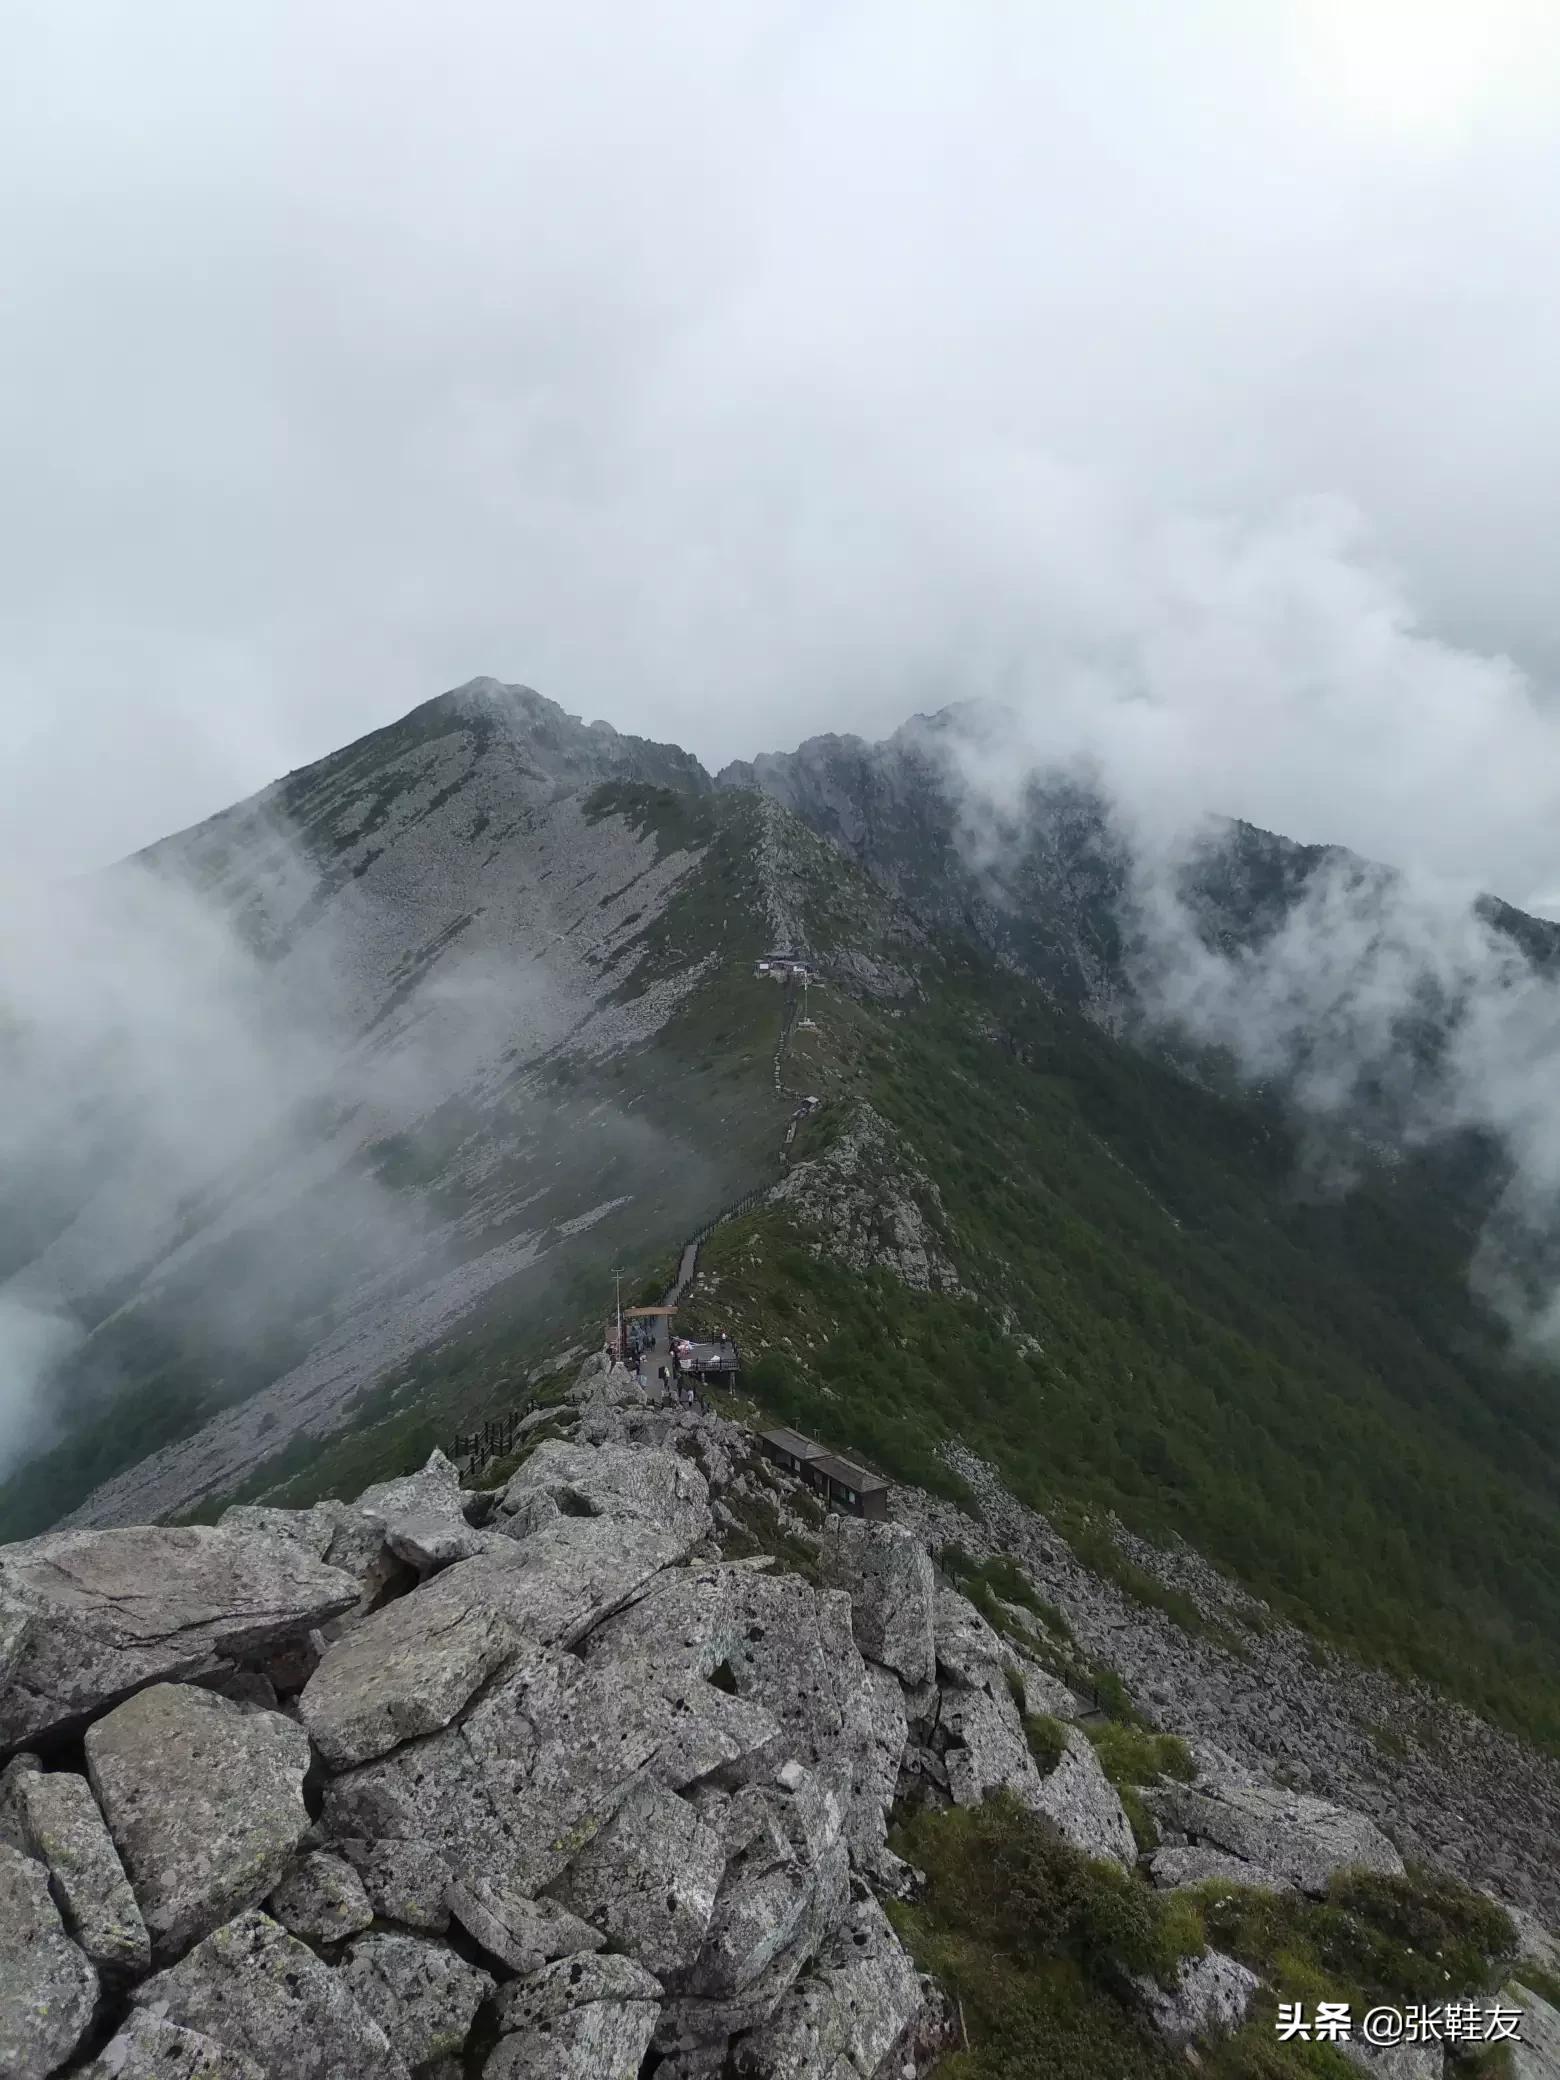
(556, 1778)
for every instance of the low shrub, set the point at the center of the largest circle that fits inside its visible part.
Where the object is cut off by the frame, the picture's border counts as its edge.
(1047, 1738)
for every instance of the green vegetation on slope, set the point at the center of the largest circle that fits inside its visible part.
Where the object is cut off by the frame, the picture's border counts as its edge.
(1038, 1944)
(1302, 1391)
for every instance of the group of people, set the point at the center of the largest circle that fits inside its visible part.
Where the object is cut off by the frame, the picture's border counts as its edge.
(677, 1380)
(678, 1384)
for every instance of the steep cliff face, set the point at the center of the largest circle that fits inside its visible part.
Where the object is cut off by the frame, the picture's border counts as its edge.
(571, 1775)
(1038, 884)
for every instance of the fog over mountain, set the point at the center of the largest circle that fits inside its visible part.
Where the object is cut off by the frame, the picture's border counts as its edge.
(737, 380)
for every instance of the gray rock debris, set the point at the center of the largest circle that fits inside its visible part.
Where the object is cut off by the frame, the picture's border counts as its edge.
(148, 2048)
(48, 1990)
(1212, 1994)
(421, 1994)
(322, 1899)
(584, 2018)
(66, 1831)
(887, 1574)
(259, 1991)
(846, 2016)
(648, 1880)
(404, 1881)
(629, 1483)
(423, 1516)
(1303, 1839)
(89, 1616)
(518, 1931)
(408, 1669)
(1173, 1867)
(204, 1800)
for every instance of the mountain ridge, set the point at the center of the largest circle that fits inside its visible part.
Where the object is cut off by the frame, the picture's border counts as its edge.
(551, 1054)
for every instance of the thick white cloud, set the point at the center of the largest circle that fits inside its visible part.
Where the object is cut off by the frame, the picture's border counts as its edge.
(737, 373)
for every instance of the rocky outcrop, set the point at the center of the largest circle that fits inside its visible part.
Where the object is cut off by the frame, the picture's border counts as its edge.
(422, 1518)
(88, 1616)
(584, 1795)
(204, 1800)
(980, 1745)
(258, 1991)
(873, 1207)
(887, 1574)
(150, 2048)
(587, 2019)
(846, 2018)
(48, 1990)
(1172, 1867)
(645, 1485)
(1209, 1995)
(1079, 1799)
(421, 1993)
(1300, 1839)
(1449, 1789)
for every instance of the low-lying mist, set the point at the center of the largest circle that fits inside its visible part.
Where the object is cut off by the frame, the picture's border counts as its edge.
(1251, 673)
(171, 1098)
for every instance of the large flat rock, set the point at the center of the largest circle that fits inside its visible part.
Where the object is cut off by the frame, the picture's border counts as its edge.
(148, 2048)
(204, 1800)
(1297, 1837)
(258, 1991)
(67, 1831)
(406, 1670)
(846, 2016)
(887, 1574)
(585, 2018)
(86, 1617)
(423, 1996)
(48, 1990)
(411, 1668)
(642, 1484)
(647, 1880)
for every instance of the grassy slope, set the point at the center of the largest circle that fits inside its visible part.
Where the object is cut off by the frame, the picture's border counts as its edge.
(1304, 1392)
(1039, 1946)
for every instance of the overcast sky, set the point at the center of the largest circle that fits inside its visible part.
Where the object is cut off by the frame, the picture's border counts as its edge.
(737, 371)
